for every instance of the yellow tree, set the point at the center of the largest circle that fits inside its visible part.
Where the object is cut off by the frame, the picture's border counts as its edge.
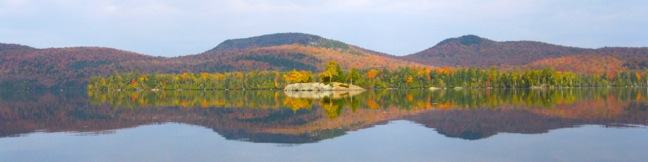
(295, 76)
(372, 74)
(277, 76)
(638, 76)
(332, 70)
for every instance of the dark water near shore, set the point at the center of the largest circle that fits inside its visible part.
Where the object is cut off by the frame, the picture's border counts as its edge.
(414, 125)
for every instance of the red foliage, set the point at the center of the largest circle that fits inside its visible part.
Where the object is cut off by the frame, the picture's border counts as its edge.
(585, 63)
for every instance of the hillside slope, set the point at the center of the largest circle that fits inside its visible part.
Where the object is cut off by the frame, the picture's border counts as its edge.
(474, 51)
(582, 63)
(61, 66)
(285, 51)
(65, 67)
(9, 47)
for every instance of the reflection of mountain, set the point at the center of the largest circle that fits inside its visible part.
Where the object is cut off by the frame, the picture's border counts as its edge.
(482, 123)
(324, 119)
(478, 124)
(53, 113)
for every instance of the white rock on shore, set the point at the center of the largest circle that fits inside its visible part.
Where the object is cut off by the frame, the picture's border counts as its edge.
(321, 94)
(335, 86)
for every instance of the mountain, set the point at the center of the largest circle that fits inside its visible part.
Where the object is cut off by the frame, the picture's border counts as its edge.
(474, 51)
(276, 40)
(8, 47)
(60, 66)
(73, 66)
(285, 51)
(64, 67)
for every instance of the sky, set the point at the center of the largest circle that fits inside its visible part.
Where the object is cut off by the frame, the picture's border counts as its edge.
(399, 27)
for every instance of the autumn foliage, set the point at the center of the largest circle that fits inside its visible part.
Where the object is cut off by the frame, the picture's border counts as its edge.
(72, 67)
(296, 76)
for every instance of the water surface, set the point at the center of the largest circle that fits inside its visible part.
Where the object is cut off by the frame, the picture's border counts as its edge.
(415, 125)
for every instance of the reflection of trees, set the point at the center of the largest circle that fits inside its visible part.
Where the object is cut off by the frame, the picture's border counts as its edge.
(407, 100)
(240, 99)
(55, 113)
(297, 103)
(268, 116)
(332, 107)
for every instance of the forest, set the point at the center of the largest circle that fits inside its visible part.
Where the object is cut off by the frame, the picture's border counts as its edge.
(401, 78)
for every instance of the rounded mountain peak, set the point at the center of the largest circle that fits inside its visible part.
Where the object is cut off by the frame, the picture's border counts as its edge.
(466, 40)
(275, 40)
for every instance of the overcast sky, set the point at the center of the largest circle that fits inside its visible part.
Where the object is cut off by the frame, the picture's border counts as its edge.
(180, 27)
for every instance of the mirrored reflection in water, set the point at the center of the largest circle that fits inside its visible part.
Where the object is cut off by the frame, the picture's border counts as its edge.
(250, 118)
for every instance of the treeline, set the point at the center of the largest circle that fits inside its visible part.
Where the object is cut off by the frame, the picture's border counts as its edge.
(403, 78)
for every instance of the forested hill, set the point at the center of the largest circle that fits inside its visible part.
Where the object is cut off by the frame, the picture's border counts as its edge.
(72, 66)
(471, 50)
(30, 67)
(475, 51)
(285, 51)
(8, 47)
(65, 67)
(276, 40)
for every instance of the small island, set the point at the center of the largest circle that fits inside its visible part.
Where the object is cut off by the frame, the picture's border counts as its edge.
(316, 86)
(316, 90)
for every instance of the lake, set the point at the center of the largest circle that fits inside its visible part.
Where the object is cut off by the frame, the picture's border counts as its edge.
(578, 124)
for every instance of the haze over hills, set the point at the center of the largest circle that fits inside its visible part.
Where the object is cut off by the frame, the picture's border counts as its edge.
(62, 67)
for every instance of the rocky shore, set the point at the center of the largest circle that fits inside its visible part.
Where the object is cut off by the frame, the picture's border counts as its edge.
(335, 86)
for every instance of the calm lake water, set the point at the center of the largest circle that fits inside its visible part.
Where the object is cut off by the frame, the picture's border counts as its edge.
(391, 125)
